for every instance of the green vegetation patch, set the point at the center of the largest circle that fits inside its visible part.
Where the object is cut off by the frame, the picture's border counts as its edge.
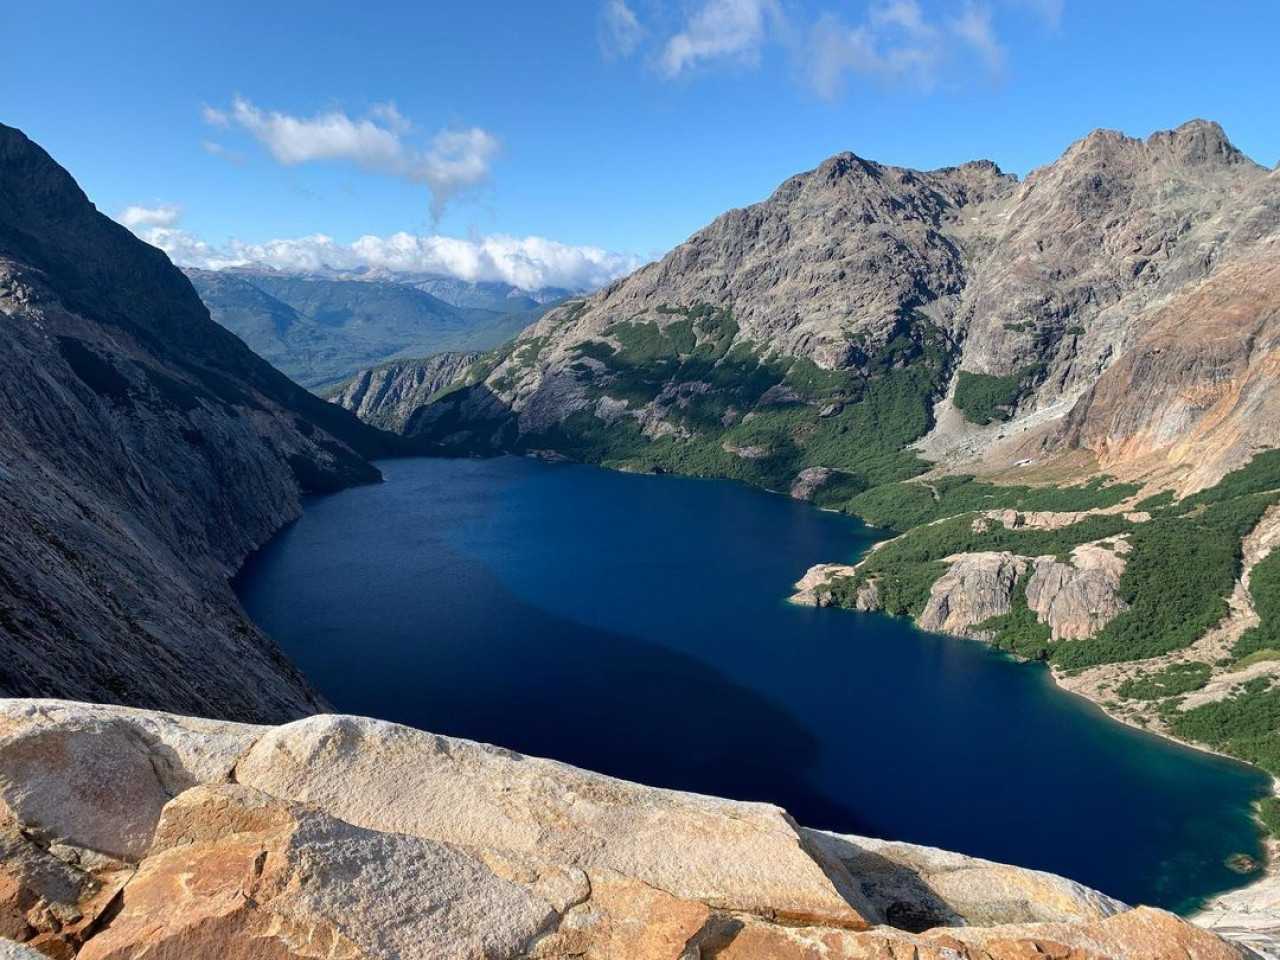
(1269, 812)
(902, 506)
(1259, 475)
(1019, 631)
(1174, 680)
(1265, 655)
(725, 394)
(527, 352)
(651, 354)
(984, 398)
(1246, 725)
(1156, 501)
(1263, 641)
(1176, 581)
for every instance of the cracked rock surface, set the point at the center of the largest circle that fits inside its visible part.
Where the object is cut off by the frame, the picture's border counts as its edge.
(131, 834)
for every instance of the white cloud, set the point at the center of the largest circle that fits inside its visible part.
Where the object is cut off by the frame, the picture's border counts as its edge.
(450, 161)
(905, 14)
(720, 30)
(159, 226)
(215, 117)
(216, 149)
(526, 262)
(457, 160)
(150, 218)
(620, 29)
(898, 44)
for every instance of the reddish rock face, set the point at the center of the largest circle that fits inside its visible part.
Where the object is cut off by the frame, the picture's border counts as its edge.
(1199, 391)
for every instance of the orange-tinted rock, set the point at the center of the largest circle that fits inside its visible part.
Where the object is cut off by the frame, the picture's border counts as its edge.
(349, 839)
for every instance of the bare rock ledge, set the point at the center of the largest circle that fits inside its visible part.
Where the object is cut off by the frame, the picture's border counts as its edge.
(130, 834)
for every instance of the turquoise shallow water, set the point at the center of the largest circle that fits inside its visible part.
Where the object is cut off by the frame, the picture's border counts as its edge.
(638, 626)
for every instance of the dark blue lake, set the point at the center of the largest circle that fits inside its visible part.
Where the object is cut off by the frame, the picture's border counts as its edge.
(638, 626)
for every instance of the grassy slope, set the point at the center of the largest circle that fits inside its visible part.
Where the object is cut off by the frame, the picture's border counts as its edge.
(786, 414)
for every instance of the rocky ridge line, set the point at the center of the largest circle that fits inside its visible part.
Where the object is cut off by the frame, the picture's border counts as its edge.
(385, 396)
(1128, 268)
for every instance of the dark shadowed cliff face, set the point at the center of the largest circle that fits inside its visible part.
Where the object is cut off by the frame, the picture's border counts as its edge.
(143, 452)
(863, 308)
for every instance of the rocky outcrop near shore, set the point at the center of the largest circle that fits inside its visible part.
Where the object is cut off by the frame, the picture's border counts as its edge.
(1075, 597)
(975, 588)
(815, 588)
(128, 833)
(1081, 596)
(144, 451)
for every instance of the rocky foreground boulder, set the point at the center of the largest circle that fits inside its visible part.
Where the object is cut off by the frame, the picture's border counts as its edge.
(129, 834)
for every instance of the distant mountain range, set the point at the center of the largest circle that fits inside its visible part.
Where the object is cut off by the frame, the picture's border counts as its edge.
(320, 328)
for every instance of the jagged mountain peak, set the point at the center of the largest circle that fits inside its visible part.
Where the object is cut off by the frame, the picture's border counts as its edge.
(1200, 141)
(1031, 290)
(854, 175)
(1194, 145)
(848, 247)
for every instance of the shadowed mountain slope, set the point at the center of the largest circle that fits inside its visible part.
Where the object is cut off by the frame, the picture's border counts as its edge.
(144, 451)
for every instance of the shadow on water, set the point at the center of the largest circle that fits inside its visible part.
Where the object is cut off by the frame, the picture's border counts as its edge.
(635, 626)
(536, 683)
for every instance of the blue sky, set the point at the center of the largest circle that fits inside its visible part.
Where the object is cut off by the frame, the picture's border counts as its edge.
(620, 126)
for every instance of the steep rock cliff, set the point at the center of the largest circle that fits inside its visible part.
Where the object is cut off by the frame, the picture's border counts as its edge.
(144, 451)
(386, 396)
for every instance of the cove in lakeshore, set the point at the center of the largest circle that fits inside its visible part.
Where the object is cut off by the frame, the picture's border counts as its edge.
(637, 626)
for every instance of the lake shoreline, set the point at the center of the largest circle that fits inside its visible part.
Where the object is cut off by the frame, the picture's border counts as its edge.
(1230, 909)
(1098, 684)
(689, 508)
